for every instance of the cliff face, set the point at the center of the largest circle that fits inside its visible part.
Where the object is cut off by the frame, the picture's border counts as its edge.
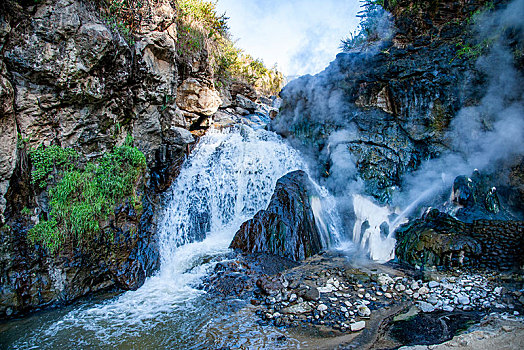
(425, 92)
(69, 78)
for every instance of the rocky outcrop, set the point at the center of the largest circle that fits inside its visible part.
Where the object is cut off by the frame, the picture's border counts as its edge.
(68, 77)
(439, 240)
(390, 107)
(287, 227)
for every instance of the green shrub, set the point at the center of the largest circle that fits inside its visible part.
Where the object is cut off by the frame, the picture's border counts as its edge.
(82, 198)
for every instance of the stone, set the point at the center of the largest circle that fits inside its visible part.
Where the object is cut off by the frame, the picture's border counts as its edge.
(426, 307)
(363, 311)
(198, 97)
(464, 300)
(179, 136)
(287, 227)
(269, 286)
(433, 284)
(357, 326)
(322, 307)
(311, 293)
(432, 299)
(423, 290)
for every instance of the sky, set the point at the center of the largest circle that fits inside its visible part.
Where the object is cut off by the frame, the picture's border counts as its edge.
(300, 36)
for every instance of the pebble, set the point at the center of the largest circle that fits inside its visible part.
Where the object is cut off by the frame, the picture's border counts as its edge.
(357, 326)
(432, 300)
(364, 311)
(388, 295)
(423, 290)
(400, 287)
(425, 306)
(433, 284)
(463, 299)
(322, 307)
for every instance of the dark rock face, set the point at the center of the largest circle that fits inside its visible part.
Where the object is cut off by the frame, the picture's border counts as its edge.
(389, 108)
(437, 239)
(287, 227)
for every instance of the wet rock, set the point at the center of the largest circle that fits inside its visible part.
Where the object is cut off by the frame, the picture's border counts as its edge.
(269, 286)
(446, 242)
(287, 227)
(309, 292)
(300, 308)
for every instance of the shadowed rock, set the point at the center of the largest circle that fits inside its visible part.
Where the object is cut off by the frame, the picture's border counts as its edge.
(287, 227)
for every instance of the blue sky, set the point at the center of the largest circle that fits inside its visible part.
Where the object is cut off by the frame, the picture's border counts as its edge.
(301, 36)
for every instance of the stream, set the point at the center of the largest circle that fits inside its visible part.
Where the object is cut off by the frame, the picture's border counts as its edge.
(230, 176)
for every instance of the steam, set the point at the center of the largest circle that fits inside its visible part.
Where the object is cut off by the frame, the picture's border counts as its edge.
(480, 136)
(492, 131)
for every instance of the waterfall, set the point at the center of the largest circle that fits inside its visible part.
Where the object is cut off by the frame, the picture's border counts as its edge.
(229, 177)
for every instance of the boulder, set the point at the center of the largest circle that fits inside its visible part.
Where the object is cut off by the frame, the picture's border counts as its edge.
(287, 227)
(438, 239)
(195, 96)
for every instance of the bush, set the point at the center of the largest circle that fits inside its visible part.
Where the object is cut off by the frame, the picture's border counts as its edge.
(82, 198)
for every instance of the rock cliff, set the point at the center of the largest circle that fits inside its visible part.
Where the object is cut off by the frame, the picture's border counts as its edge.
(72, 75)
(425, 91)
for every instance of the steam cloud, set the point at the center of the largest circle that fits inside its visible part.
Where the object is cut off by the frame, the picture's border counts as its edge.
(493, 131)
(481, 135)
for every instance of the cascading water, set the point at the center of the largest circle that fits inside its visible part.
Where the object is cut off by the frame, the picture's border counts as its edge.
(229, 177)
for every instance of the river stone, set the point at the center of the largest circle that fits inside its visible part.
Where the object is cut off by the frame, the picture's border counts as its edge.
(322, 307)
(357, 326)
(426, 307)
(433, 284)
(463, 299)
(287, 227)
(363, 311)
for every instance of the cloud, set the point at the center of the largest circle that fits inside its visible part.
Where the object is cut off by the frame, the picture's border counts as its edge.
(301, 36)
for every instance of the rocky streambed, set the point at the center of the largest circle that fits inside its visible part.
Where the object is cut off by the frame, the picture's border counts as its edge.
(332, 301)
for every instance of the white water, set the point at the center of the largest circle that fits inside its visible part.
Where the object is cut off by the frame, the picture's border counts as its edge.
(367, 232)
(230, 175)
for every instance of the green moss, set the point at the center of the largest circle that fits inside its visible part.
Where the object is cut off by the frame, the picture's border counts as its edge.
(26, 211)
(83, 197)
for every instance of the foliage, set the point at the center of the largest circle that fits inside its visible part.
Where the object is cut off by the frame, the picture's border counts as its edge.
(233, 64)
(205, 13)
(85, 196)
(122, 15)
(45, 160)
(372, 20)
(202, 28)
(26, 211)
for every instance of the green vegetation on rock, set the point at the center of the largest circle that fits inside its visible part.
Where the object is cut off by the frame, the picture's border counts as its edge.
(84, 196)
(202, 27)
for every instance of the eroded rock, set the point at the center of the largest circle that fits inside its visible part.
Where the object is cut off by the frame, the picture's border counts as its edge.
(287, 227)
